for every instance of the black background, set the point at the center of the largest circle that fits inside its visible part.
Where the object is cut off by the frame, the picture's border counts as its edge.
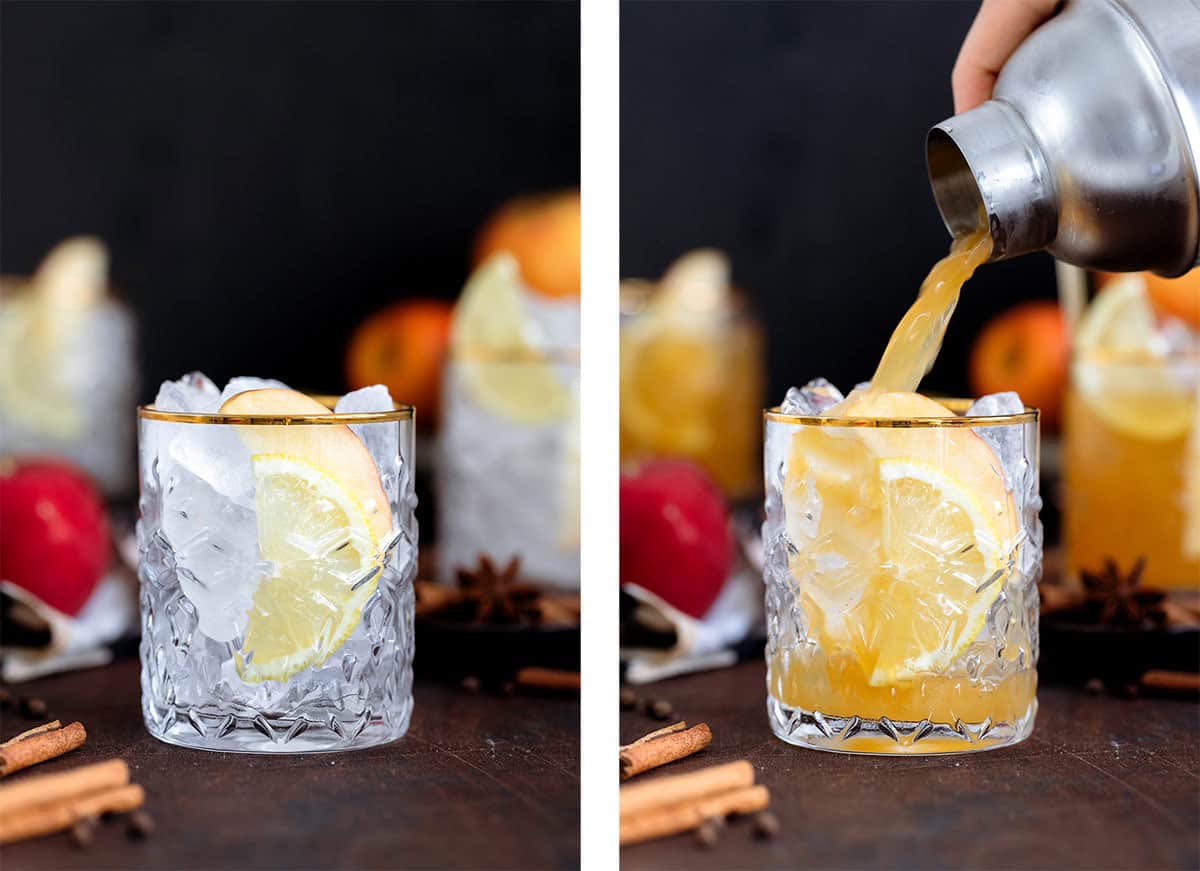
(266, 174)
(792, 135)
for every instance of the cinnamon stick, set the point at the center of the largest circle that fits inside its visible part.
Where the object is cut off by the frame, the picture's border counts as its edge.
(36, 730)
(46, 818)
(661, 792)
(657, 733)
(1184, 683)
(40, 745)
(548, 679)
(51, 788)
(644, 755)
(673, 819)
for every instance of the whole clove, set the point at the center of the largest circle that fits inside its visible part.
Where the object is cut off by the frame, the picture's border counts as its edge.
(33, 708)
(82, 833)
(629, 699)
(708, 834)
(141, 826)
(6, 699)
(661, 709)
(766, 825)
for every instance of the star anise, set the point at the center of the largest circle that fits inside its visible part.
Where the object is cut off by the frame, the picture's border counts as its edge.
(500, 598)
(496, 596)
(1115, 598)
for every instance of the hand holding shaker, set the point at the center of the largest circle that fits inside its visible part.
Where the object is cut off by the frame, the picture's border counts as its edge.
(1089, 146)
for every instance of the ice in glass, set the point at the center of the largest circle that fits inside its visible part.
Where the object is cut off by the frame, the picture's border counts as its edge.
(902, 553)
(508, 468)
(277, 547)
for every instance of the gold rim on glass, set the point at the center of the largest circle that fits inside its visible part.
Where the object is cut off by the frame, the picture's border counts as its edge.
(399, 412)
(958, 406)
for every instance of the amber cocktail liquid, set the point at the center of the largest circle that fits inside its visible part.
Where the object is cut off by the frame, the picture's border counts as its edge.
(1133, 474)
(1131, 437)
(902, 554)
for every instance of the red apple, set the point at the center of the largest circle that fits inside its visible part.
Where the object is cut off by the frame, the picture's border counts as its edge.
(675, 537)
(53, 532)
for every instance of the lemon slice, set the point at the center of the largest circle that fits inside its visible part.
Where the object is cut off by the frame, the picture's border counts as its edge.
(32, 339)
(1120, 318)
(326, 562)
(493, 341)
(942, 569)
(670, 383)
(901, 535)
(1118, 374)
(37, 329)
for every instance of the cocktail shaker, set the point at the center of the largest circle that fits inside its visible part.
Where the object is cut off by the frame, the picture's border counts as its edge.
(1089, 146)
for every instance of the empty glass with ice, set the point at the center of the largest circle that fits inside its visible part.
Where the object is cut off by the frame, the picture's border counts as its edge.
(277, 549)
(508, 470)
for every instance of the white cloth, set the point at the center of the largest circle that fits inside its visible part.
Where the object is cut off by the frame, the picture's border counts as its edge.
(75, 642)
(700, 645)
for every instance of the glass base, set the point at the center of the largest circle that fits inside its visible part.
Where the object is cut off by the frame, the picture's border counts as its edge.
(261, 734)
(884, 737)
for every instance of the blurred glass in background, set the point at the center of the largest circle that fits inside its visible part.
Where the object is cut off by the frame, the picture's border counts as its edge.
(508, 469)
(68, 376)
(1132, 428)
(692, 375)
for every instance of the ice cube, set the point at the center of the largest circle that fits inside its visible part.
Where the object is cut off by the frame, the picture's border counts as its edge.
(1009, 444)
(382, 439)
(812, 399)
(193, 393)
(215, 542)
(214, 453)
(242, 383)
(365, 399)
(995, 404)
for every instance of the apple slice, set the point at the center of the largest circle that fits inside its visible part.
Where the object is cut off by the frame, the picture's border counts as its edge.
(332, 448)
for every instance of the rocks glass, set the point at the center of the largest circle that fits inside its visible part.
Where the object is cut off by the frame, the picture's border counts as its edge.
(901, 566)
(277, 557)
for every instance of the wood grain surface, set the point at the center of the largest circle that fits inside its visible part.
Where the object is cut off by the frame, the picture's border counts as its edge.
(479, 781)
(1102, 783)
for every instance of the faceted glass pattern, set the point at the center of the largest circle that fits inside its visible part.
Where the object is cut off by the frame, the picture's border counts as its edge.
(200, 567)
(872, 652)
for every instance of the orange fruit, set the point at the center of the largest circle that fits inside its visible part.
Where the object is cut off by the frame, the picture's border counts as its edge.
(1025, 349)
(1176, 296)
(542, 233)
(403, 347)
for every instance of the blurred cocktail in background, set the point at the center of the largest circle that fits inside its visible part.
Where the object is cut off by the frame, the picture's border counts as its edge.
(1132, 432)
(692, 372)
(508, 473)
(68, 377)
(508, 465)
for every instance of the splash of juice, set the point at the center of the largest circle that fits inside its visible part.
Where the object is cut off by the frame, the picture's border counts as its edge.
(837, 677)
(918, 337)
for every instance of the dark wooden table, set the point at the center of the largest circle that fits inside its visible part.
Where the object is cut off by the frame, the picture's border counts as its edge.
(480, 781)
(1102, 783)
